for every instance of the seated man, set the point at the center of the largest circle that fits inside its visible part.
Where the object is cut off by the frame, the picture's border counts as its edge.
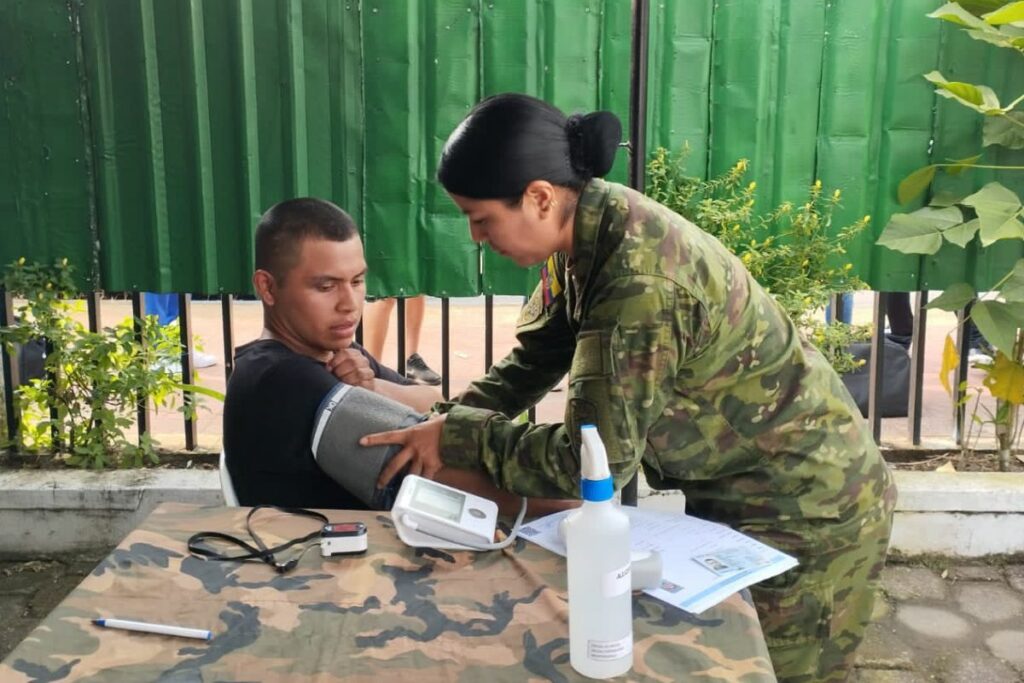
(310, 276)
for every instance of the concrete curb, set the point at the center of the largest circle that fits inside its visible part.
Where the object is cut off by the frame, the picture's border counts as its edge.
(964, 514)
(961, 514)
(45, 512)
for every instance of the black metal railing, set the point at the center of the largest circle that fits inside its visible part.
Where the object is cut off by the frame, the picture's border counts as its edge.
(11, 377)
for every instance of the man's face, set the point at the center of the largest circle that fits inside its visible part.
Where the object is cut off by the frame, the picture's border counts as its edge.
(320, 302)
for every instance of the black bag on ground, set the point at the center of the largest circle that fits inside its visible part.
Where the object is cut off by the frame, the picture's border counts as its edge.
(895, 378)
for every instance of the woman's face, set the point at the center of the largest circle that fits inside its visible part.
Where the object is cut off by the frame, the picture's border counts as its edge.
(526, 233)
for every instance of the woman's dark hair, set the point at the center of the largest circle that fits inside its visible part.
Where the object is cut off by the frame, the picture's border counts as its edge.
(509, 140)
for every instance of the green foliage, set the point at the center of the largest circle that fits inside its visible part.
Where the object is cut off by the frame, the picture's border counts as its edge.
(792, 251)
(990, 215)
(88, 398)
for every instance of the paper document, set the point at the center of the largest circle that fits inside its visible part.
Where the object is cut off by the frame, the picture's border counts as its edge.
(703, 562)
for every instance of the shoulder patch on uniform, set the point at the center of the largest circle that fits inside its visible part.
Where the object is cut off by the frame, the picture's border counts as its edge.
(533, 309)
(549, 281)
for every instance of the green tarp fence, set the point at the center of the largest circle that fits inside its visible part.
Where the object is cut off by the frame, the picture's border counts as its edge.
(142, 139)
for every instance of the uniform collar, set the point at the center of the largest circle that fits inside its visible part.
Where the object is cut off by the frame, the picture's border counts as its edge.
(590, 210)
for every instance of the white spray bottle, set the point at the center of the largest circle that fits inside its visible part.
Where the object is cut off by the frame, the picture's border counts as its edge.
(600, 597)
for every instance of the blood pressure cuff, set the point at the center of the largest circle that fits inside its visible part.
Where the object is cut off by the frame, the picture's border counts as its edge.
(347, 414)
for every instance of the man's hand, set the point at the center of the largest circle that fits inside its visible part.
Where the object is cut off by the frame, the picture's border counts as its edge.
(421, 449)
(351, 367)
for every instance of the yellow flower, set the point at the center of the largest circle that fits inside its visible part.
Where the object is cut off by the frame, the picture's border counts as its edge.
(752, 186)
(64, 261)
(817, 184)
(867, 218)
(836, 194)
(21, 261)
(746, 257)
(848, 267)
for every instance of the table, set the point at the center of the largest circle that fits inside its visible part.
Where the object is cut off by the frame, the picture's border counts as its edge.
(392, 614)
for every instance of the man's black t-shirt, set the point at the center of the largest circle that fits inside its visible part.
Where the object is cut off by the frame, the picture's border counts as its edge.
(269, 411)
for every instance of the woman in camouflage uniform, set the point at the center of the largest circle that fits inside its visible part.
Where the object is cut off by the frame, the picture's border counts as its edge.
(686, 365)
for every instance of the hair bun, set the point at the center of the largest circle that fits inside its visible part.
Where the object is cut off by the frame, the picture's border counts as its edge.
(593, 141)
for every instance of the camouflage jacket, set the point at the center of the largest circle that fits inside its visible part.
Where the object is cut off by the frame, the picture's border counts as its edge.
(685, 364)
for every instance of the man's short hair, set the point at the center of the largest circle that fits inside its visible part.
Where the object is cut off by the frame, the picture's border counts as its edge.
(285, 225)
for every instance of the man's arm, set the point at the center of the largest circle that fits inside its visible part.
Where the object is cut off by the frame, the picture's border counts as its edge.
(357, 367)
(417, 397)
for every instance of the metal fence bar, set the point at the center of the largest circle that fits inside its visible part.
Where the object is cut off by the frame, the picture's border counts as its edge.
(142, 401)
(187, 371)
(51, 378)
(446, 347)
(488, 332)
(637, 138)
(838, 307)
(917, 347)
(877, 368)
(400, 366)
(92, 303)
(959, 404)
(638, 95)
(10, 372)
(227, 321)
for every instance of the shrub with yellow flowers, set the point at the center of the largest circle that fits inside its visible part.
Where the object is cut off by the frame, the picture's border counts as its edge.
(793, 251)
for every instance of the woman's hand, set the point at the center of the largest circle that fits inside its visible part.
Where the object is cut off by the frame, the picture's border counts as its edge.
(421, 449)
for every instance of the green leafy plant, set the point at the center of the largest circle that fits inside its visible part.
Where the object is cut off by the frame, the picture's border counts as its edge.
(792, 251)
(87, 400)
(991, 214)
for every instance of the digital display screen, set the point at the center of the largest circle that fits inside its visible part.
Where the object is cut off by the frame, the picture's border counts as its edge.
(438, 501)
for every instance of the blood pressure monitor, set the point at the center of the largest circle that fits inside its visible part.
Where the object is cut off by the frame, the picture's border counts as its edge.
(431, 515)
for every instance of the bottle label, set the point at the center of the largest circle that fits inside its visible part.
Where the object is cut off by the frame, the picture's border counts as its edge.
(607, 650)
(617, 582)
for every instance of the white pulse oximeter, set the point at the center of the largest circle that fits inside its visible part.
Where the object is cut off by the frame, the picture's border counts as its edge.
(431, 515)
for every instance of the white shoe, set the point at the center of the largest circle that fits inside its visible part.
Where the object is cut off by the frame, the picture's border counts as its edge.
(201, 359)
(978, 356)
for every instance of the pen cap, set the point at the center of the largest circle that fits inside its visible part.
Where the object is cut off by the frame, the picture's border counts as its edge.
(596, 483)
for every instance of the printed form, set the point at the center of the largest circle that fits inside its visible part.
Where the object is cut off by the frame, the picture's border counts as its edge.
(703, 562)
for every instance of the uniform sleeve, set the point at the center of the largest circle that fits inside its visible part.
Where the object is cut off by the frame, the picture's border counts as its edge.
(637, 333)
(540, 359)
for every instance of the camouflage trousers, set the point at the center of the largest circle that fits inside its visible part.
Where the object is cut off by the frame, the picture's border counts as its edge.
(814, 616)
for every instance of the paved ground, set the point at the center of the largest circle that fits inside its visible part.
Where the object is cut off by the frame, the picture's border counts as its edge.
(952, 624)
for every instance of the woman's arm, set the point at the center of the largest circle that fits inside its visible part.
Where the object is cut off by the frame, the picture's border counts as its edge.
(623, 372)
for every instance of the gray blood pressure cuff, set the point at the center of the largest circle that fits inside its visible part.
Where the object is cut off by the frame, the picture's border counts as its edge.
(347, 414)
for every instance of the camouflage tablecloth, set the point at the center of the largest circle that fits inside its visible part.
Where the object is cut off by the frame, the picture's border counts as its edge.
(392, 614)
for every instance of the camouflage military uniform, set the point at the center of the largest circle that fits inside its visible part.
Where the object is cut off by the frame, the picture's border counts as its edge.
(688, 367)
